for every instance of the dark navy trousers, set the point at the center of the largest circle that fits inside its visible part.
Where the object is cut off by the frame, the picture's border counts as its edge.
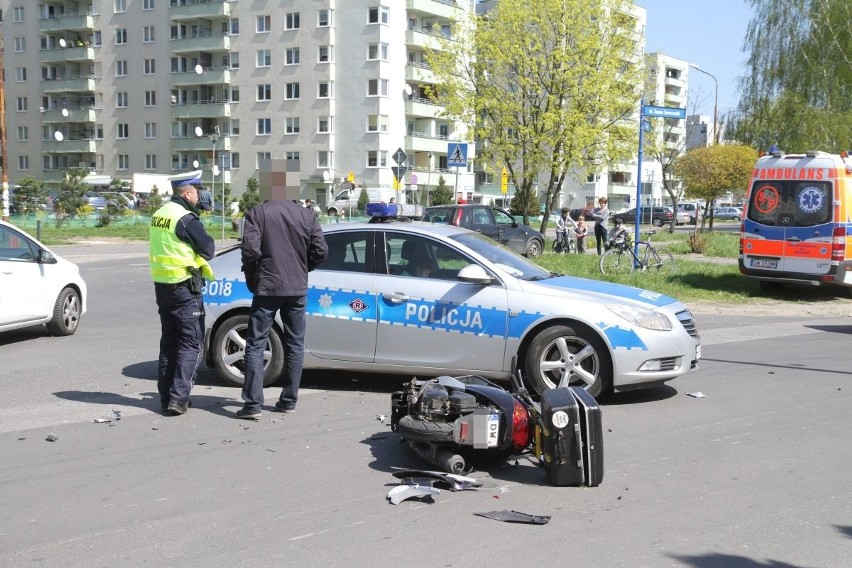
(182, 322)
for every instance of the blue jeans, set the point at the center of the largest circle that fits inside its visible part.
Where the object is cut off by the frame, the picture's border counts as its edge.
(261, 317)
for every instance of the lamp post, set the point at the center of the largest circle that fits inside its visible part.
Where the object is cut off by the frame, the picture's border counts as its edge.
(715, 102)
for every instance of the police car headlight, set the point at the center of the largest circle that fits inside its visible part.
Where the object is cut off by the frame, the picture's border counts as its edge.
(648, 319)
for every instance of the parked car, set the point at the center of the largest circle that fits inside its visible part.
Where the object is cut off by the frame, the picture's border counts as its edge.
(694, 211)
(491, 222)
(37, 287)
(478, 308)
(657, 216)
(682, 216)
(588, 213)
(728, 213)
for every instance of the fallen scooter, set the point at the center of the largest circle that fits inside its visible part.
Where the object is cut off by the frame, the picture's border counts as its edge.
(455, 421)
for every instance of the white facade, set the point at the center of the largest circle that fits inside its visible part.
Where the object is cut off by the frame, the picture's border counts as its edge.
(334, 87)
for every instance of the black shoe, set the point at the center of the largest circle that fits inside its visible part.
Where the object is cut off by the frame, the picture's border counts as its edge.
(177, 408)
(284, 407)
(248, 414)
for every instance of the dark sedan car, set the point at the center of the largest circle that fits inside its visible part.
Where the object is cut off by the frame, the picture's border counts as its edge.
(588, 213)
(657, 216)
(491, 222)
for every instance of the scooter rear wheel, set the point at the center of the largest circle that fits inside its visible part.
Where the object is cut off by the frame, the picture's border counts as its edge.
(424, 431)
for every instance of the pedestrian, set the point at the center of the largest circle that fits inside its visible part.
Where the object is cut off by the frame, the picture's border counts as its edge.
(281, 243)
(205, 199)
(563, 225)
(178, 255)
(601, 221)
(580, 235)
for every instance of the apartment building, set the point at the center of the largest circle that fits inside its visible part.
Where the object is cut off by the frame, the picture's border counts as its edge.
(334, 87)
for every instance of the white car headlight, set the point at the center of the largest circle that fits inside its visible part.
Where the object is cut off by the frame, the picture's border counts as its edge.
(648, 319)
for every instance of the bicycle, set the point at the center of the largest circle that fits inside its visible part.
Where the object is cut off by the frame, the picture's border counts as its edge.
(564, 243)
(622, 259)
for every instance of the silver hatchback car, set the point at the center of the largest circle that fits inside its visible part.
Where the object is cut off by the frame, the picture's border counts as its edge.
(411, 298)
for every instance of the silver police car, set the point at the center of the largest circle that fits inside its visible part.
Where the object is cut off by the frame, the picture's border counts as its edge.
(411, 298)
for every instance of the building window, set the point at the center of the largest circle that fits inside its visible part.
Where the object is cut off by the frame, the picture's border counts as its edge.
(148, 4)
(292, 21)
(377, 159)
(325, 125)
(150, 98)
(99, 131)
(264, 58)
(120, 6)
(324, 54)
(20, 44)
(96, 39)
(264, 24)
(121, 100)
(23, 134)
(261, 157)
(149, 66)
(291, 155)
(121, 68)
(234, 26)
(150, 130)
(123, 131)
(22, 104)
(292, 56)
(123, 162)
(264, 92)
(235, 94)
(377, 88)
(150, 161)
(121, 36)
(324, 89)
(20, 74)
(325, 159)
(292, 125)
(292, 91)
(23, 162)
(235, 127)
(377, 123)
(264, 126)
(378, 15)
(324, 18)
(18, 15)
(148, 34)
(234, 60)
(377, 51)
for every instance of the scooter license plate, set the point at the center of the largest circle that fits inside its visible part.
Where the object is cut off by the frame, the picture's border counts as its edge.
(493, 423)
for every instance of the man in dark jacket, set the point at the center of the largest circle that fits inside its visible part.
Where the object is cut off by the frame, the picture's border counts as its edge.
(282, 242)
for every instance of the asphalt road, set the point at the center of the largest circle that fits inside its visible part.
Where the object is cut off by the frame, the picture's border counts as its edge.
(753, 474)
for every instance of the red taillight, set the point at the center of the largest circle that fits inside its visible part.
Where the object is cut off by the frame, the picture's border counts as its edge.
(521, 430)
(838, 244)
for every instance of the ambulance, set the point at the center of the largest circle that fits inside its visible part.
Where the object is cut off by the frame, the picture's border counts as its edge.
(797, 219)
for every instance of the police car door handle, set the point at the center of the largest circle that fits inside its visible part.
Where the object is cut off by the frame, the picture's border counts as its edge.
(396, 297)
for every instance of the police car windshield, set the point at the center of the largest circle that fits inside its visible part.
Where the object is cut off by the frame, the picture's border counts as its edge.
(507, 260)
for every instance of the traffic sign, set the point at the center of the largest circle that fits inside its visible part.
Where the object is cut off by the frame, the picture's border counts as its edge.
(400, 157)
(456, 155)
(413, 179)
(351, 177)
(399, 171)
(504, 181)
(663, 112)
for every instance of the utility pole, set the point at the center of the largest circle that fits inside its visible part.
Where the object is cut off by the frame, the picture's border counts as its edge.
(4, 161)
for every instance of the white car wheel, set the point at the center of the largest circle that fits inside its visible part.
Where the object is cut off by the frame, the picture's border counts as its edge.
(66, 313)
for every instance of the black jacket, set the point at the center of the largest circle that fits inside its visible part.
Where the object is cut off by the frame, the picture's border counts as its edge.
(282, 242)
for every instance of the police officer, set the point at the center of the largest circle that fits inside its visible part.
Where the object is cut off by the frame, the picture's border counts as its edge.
(179, 251)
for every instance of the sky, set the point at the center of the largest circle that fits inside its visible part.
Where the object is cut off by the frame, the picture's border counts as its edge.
(708, 33)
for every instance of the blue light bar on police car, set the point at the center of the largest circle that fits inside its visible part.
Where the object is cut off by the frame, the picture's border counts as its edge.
(394, 210)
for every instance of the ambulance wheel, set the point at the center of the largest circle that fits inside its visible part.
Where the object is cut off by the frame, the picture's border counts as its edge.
(229, 346)
(571, 357)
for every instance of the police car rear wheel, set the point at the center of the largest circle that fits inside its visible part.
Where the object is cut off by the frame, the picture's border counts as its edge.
(229, 346)
(577, 354)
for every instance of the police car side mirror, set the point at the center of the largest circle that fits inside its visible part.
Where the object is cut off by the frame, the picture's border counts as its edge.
(474, 274)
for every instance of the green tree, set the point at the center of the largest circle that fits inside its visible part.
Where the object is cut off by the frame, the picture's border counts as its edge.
(547, 84)
(795, 93)
(155, 201)
(363, 199)
(71, 199)
(251, 196)
(30, 196)
(709, 172)
(442, 194)
(526, 207)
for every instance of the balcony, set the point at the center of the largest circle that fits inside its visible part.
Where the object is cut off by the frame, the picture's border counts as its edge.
(69, 146)
(67, 22)
(202, 41)
(419, 73)
(80, 84)
(202, 109)
(60, 54)
(74, 115)
(422, 107)
(209, 76)
(200, 144)
(195, 9)
(422, 142)
(424, 38)
(441, 8)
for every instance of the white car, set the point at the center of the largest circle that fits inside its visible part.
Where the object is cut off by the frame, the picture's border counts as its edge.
(475, 308)
(37, 287)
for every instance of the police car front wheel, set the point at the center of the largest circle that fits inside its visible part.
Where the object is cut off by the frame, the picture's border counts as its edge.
(229, 345)
(578, 355)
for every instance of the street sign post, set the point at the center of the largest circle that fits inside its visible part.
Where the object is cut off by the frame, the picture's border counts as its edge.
(456, 155)
(663, 112)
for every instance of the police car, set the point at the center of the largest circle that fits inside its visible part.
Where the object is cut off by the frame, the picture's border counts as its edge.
(412, 298)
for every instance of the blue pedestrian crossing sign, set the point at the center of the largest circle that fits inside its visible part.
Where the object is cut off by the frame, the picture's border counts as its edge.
(456, 155)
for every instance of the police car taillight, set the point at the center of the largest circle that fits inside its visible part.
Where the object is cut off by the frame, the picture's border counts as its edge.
(838, 243)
